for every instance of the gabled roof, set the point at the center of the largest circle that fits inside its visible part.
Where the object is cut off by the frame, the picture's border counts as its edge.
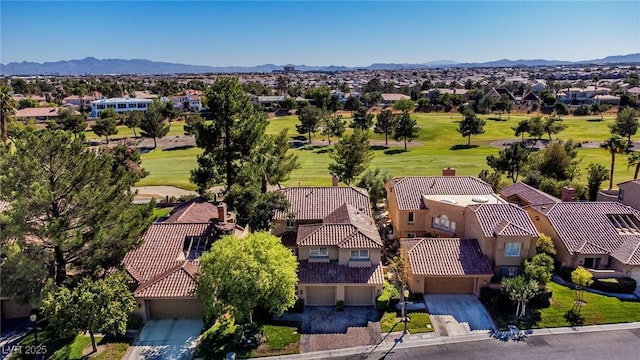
(531, 96)
(527, 195)
(315, 203)
(592, 228)
(333, 273)
(409, 190)
(446, 257)
(176, 282)
(346, 227)
(503, 220)
(197, 210)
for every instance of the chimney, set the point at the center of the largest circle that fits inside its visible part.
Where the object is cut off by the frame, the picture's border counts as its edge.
(334, 179)
(449, 171)
(568, 193)
(222, 212)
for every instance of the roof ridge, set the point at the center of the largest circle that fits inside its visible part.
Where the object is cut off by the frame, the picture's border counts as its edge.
(184, 212)
(631, 253)
(160, 276)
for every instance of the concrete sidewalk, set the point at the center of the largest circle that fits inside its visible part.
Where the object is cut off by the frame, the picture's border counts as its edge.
(411, 341)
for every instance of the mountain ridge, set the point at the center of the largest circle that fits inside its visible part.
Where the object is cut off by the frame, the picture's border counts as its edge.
(93, 66)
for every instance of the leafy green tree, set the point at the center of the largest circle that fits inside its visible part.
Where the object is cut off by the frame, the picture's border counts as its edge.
(333, 125)
(597, 174)
(536, 127)
(557, 161)
(362, 119)
(28, 103)
(539, 268)
(471, 125)
(560, 109)
(385, 123)
(238, 274)
(522, 128)
(493, 178)
(232, 139)
(600, 109)
(614, 145)
(351, 156)
(406, 129)
(127, 162)
(321, 96)
(553, 125)
(404, 105)
(510, 160)
(8, 106)
(309, 117)
(582, 278)
(100, 305)
(520, 291)
(133, 119)
(153, 123)
(352, 103)
(191, 123)
(424, 104)
(626, 124)
(275, 159)
(72, 122)
(634, 160)
(544, 245)
(106, 125)
(253, 206)
(65, 209)
(374, 181)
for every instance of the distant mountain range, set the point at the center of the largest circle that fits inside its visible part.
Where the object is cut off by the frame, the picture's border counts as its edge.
(93, 66)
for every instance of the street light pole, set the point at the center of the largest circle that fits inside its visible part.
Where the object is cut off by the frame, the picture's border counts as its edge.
(34, 318)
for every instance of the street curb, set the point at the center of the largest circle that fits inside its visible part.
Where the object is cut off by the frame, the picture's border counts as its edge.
(443, 340)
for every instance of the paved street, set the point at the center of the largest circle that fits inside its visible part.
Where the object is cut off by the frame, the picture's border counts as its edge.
(618, 344)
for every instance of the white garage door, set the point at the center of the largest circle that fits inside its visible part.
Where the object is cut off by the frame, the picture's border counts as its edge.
(321, 295)
(358, 295)
(175, 309)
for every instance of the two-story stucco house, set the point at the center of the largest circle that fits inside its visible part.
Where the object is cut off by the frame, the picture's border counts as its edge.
(338, 246)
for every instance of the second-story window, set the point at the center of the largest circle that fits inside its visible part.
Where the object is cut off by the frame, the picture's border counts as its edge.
(512, 249)
(291, 222)
(442, 222)
(412, 217)
(318, 252)
(359, 254)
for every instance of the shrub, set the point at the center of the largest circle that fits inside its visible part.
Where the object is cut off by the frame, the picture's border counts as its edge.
(623, 285)
(565, 273)
(389, 297)
(542, 300)
(340, 305)
(298, 307)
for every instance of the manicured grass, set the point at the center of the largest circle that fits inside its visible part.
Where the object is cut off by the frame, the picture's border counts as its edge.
(433, 151)
(177, 128)
(68, 349)
(160, 212)
(597, 309)
(389, 322)
(74, 349)
(420, 323)
(281, 340)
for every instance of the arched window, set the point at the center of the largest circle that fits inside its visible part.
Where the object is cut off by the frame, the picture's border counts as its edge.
(442, 222)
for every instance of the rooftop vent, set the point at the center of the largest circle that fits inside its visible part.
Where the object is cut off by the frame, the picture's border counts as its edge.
(480, 199)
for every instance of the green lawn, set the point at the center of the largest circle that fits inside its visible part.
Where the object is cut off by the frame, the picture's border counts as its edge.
(177, 128)
(160, 212)
(433, 151)
(69, 349)
(281, 340)
(598, 309)
(420, 323)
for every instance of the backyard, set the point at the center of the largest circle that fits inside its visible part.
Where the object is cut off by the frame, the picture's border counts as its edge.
(426, 155)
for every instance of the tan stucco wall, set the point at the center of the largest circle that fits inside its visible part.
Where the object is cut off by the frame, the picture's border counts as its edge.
(423, 219)
(142, 306)
(631, 195)
(345, 254)
(303, 252)
(416, 282)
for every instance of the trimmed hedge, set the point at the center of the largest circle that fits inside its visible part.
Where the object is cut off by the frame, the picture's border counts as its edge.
(625, 285)
(389, 297)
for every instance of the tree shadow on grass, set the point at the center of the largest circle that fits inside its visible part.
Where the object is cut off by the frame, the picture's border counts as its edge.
(299, 138)
(493, 118)
(594, 120)
(185, 147)
(313, 147)
(463, 147)
(323, 151)
(379, 147)
(394, 151)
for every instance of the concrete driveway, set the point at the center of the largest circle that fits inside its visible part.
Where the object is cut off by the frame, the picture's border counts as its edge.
(166, 339)
(459, 308)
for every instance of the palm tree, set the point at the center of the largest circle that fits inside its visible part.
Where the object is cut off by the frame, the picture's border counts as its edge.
(634, 160)
(8, 109)
(614, 145)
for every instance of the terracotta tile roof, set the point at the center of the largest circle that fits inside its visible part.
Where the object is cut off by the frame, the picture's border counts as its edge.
(332, 273)
(315, 203)
(588, 228)
(446, 257)
(198, 210)
(346, 227)
(3, 205)
(157, 261)
(504, 220)
(527, 195)
(176, 282)
(409, 190)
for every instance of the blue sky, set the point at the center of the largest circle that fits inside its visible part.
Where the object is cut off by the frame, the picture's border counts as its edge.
(352, 33)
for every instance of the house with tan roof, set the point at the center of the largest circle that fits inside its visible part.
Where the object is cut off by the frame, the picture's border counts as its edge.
(456, 218)
(337, 244)
(162, 270)
(601, 236)
(628, 193)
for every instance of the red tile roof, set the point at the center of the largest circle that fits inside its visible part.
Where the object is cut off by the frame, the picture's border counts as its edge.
(346, 227)
(332, 273)
(503, 220)
(586, 228)
(527, 195)
(315, 203)
(160, 258)
(446, 257)
(198, 210)
(409, 190)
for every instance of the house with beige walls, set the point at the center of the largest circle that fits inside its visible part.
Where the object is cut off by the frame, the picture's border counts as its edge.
(162, 269)
(337, 244)
(628, 193)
